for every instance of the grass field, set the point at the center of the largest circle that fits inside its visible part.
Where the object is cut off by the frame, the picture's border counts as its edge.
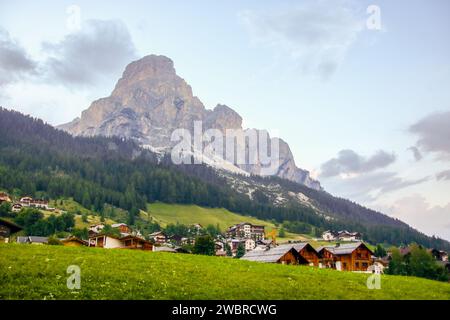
(165, 213)
(39, 272)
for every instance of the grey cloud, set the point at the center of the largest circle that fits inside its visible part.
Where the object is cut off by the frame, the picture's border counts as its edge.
(14, 60)
(416, 153)
(444, 175)
(100, 48)
(348, 161)
(416, 211)
(369, 187)
(317, 35)
(434, 134)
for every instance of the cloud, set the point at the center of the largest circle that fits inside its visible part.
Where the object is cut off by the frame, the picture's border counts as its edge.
(100, 49)
(14, 60)
(369, 187)
(416, 211)
(349, 162)
(434, 134)
(444, 175)
(416, 153)
(317, 35)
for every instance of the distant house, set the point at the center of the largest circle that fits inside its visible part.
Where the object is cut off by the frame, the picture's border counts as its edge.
(195, 228)
(348, 236)
(439, 255)
(126, 242)
(123, 228)
(234, 244)
(95, 229)
(4, 197)
(306, 251)
(283, 254)
(342, 235)
(74, 242)
(26, 200)
(34, 203)
(32, 240)
(7, 228)
(329, 235)
(246, 230)
(250, 244)
(158, 237)
(346, 257)
(16, 207)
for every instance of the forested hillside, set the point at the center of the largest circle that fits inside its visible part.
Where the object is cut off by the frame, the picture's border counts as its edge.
(37, 158)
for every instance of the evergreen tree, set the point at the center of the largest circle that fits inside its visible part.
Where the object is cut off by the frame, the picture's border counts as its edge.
(204, 245)
(240, 251)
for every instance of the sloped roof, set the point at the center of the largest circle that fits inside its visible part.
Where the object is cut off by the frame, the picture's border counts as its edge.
(346, 248)
(270, 256)
(11, 225)
(38, 239)
(164, 249)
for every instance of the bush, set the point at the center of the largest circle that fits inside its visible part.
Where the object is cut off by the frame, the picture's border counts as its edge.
(53, 241)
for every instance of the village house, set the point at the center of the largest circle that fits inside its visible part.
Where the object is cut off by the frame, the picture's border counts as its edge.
(348, 236)
(95, 229)
(346, 257)
(342, 235)
(112, 242)
(123, 228)
(35, 203)
(306, 251)
(4, 197)
(439, 255)
(329, 235)
(7, 228)
(16, 207)
(246, 230)
(283, 254)
(158, 237)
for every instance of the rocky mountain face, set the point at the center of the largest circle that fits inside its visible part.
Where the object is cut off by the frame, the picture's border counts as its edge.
(150, 101)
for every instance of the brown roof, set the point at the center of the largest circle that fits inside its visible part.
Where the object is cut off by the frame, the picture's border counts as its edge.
(11, 225)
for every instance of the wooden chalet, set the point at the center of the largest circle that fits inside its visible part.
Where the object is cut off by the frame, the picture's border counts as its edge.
(307, 252)
(283, 254)
(7, 228)
(346, 257)
(126, 242)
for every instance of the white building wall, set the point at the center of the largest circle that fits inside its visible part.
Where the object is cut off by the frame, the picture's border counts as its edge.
(112, 243)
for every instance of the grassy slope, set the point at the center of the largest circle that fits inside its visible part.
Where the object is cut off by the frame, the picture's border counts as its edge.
(165, 213)
(70, 205)
(39, 272)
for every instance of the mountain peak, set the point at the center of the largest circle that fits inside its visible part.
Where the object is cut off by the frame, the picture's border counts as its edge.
(150, 101)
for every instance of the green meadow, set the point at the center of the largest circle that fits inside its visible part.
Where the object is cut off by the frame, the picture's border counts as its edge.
(40, 272)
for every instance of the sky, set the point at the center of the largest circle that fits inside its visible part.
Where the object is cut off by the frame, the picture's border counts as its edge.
(359, 89)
